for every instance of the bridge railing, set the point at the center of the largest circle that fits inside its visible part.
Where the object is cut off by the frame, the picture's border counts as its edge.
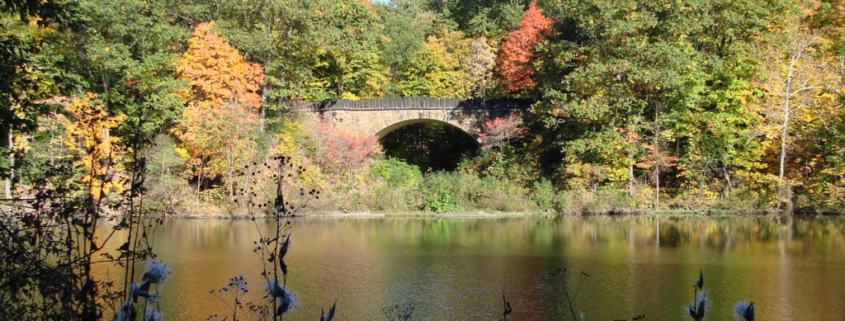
(411, 103)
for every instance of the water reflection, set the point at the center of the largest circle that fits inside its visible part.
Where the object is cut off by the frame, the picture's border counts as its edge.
(455, 269)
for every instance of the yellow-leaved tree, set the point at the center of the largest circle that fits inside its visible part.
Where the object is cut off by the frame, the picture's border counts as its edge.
(798, 104)
(97, 152)
(217, 130)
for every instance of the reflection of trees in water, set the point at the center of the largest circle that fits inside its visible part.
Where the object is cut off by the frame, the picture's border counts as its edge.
(411, 258)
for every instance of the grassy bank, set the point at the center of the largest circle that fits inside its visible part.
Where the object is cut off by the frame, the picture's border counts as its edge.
(342, 172)
(394, 188)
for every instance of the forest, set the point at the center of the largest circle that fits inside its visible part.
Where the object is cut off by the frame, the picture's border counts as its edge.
(700, 105)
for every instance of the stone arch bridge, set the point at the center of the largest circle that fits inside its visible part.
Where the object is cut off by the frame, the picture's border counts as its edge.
(379, 117)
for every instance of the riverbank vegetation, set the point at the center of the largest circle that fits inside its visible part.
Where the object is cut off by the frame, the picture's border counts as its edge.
(637, 105)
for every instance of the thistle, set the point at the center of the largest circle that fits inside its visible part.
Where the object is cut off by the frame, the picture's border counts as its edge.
(697, 308)
(153, 315)
(328, 317)
(285, 300)
(156, 272)
(744, 310)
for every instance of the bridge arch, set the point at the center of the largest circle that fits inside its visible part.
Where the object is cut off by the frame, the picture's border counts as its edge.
(389, 128)
(380, 117)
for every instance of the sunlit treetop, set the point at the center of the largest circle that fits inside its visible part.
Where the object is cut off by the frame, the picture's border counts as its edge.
(217, 72)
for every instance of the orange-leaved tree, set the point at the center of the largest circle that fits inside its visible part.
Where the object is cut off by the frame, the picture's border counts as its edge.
(221, 116)
(515, 64)
(98, 152)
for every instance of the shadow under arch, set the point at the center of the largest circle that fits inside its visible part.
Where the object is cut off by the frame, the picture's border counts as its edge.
(430, 144)
(400, 124)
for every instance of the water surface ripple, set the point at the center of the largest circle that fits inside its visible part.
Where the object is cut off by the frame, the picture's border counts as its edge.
(456, 268)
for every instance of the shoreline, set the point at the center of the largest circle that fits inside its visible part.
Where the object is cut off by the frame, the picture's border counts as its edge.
(496, 215)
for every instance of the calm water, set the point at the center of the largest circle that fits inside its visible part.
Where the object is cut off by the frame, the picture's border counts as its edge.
(455, 269)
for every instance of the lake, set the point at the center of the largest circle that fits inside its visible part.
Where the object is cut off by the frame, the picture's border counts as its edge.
(457, 268)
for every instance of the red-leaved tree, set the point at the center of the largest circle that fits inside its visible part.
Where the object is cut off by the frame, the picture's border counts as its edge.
(515, 64)
(500, 131)
(342, 151)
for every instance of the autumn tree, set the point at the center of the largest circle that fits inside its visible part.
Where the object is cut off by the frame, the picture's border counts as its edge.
(797, 75)
(516, 63)
(222, 104)
(341, 151)
(25, 78)
(500, 131)
(98, 153)
(434, 71)
(479, 66)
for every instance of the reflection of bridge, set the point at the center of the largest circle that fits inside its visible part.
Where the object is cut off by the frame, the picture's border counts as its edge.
(382, 116)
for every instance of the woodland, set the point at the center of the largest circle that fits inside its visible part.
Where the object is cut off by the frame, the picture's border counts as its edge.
(661, 105)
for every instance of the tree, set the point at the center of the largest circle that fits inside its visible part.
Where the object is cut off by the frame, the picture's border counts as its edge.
(796, 77)
(500, 130)
(222, 104)
(718, 147)
(433, 71)
(125, 53)
(480, 17)
(655, 159)
(405, 27)
(516, 63)
(479, 67)
(345, 51)
(613, 72)
(98, 153)
(24, 78)
(339, 150)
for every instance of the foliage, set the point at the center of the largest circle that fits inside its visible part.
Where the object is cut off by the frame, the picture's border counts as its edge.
(434, 71)
(479, 65)
(216, 126)
(516, 63)
(507, 164)
(341, 151)
(481, 17)
(99, 154)
(125, 51)
(450, 192)
(437, 196)
(684, 101)
(500, 130)
(543, 193)
(395, 172)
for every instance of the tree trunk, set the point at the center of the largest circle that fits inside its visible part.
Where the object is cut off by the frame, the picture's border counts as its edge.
(231, 175)
(631, 162)
(7, 179)
(657, 158)
(199, 183)
(657, 186)
(262, 113)
(630, 191)
(728, 179)
(784, 131)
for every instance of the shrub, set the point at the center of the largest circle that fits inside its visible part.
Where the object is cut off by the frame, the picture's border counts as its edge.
(543, 194)
(395, 172)
(393, 198)
(341, 151)
(503, 164)
(444, 191)
(437, 193)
